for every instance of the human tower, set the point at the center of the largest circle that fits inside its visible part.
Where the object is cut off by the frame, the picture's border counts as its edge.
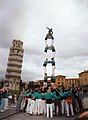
(50, 60)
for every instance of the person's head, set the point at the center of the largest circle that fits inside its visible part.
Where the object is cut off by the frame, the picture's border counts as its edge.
(36, 90)
(49, 89)
(39, 91)
(54, 87)
(51, 29)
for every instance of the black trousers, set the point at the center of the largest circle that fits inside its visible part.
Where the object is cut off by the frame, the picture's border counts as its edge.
(57, 104)
(80, 106)
(26, 102)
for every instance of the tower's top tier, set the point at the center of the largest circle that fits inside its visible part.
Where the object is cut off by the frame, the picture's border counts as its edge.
(17, 43)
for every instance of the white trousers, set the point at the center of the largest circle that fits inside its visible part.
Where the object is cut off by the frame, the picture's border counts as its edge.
(28, 105)
(32, 106)
(39, 106)
(43, 107)
(63, 106)
(46, 43)
(67, 109)
(6, 103)
(22, 104)
(49, 106)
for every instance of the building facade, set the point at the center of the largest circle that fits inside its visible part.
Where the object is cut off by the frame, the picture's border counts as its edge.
(60, 80)
(14, 64)
(71, 82)
(83, 77)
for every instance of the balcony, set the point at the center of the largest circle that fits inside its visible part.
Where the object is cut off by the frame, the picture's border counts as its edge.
(16, 54)
(14, 59)
(16, 48)
(14, 64)
(13, 70)
(12, 76)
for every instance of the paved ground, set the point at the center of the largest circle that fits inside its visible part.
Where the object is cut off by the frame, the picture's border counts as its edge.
(25, 116)
(7, 112)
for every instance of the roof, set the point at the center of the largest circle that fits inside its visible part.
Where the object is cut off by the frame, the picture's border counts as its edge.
(60, 76)
(72, 79)
(85, 71)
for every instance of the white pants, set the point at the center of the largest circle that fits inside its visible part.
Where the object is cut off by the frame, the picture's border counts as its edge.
(63, 106)
(52, 41)
(22, 104)
(32, 106)
(39, 106)
(67, 109)
(46, 42)
(49, 106)
(6, 103)
(43, 105)
(28, 105)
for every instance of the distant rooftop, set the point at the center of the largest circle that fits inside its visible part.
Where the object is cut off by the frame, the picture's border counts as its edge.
(85, 71)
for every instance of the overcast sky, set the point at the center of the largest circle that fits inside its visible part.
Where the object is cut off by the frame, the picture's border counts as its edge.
(27, 20)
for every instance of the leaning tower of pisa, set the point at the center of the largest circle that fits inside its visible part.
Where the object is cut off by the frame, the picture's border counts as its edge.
(14, 64)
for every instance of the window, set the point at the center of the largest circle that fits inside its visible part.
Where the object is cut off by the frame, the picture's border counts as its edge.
(17, 51)
(18, 45)
(58, 82)
(12, 51)
(13, 44)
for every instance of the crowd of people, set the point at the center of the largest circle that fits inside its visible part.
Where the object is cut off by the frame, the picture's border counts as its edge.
(52, 101)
